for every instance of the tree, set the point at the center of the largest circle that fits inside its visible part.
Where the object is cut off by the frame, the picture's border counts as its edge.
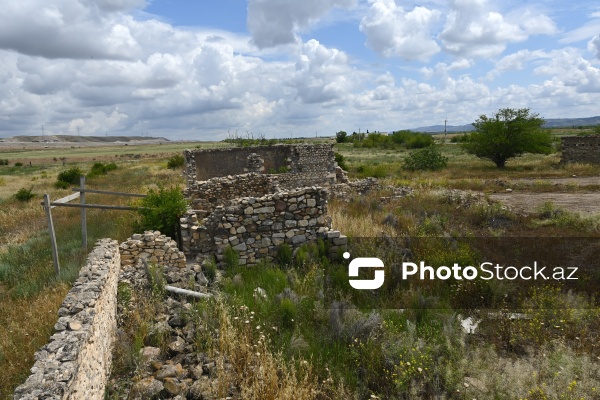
(341, 137)
(508, 133)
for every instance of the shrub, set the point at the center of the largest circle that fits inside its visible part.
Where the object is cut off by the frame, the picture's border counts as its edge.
(231, 258)
(160, 210)
(177, 161)
(3, 162)
(209, 267)
(101, 169)
(284, 254)
(18, 164)
(341, 161)
(24, 194)
(70, 176)
(287, 312)
(61, 185)
(428, 158)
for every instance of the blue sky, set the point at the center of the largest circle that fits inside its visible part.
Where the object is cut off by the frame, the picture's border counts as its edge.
(199, 69)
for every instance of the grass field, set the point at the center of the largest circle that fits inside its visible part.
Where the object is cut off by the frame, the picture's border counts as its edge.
(427, 351)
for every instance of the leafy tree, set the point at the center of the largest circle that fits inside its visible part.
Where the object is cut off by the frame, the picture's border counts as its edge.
(508, 133)
(341, 137)
(160, 210)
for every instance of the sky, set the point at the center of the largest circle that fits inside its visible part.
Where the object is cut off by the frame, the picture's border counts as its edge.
(212, 69)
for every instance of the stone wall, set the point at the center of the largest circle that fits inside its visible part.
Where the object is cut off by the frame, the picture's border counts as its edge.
(206, 195)
(581, 149)
(76, 361)
(153, 247)
(315, 159)
(256, 227)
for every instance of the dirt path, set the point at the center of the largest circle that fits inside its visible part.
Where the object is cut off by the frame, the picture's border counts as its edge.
(583, 181)
(584, 203)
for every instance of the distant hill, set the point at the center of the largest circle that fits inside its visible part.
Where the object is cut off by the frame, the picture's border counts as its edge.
(82, 139)
(548, 123)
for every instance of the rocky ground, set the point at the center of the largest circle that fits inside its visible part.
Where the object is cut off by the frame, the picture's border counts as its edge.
(172, 368)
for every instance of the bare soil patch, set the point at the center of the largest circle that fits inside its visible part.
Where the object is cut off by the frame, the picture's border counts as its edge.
(584, 203)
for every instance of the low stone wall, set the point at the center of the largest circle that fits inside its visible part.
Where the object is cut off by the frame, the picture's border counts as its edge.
(351, 189)
(206, 195)
(304, 179)
(581, 149)
(75, 363)
(256, 227)
(153, 247)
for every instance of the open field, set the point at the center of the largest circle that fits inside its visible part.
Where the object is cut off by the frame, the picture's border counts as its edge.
(85, 152)
(417, 354)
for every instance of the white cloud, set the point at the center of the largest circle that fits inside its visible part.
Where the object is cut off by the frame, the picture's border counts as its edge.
(594, 46)
(274, 23)
(64, 29)
(473, 29)
(393, 32)
(92, 65)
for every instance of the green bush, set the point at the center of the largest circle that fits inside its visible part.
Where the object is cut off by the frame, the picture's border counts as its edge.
(101, 169)
(61, 185)
(177, 161)
(341, 161)
(18, 164)
(3, 162)
(160, 210)
(428, 158)
(24, 194)
(68, 177)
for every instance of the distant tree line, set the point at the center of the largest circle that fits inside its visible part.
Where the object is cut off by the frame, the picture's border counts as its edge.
(398, 139)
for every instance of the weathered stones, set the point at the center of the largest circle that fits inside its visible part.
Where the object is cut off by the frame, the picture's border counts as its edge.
(77, 358)
(153, 247)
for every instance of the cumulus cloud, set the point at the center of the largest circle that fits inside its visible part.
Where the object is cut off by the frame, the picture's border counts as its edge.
(274, 23)
(64, 29)
(393, 32)
(594, 46)
(322, 74)
(90, 65)
(473, 29)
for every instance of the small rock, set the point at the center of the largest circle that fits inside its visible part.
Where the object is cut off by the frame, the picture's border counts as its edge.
(170, 371)
(201, 389)
(209, 368)
(177, 346)
(149, 354)
(74, 325)
(146, 388)
(173, 386)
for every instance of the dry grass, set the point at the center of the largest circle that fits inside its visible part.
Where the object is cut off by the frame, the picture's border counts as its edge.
(246, 361)
(30, 295)
(24, 327)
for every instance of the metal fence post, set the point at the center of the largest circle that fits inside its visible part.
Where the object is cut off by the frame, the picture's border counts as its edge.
(83, 212)
(47, 207)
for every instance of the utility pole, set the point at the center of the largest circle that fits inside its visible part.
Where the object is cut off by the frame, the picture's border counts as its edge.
(445, 124)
